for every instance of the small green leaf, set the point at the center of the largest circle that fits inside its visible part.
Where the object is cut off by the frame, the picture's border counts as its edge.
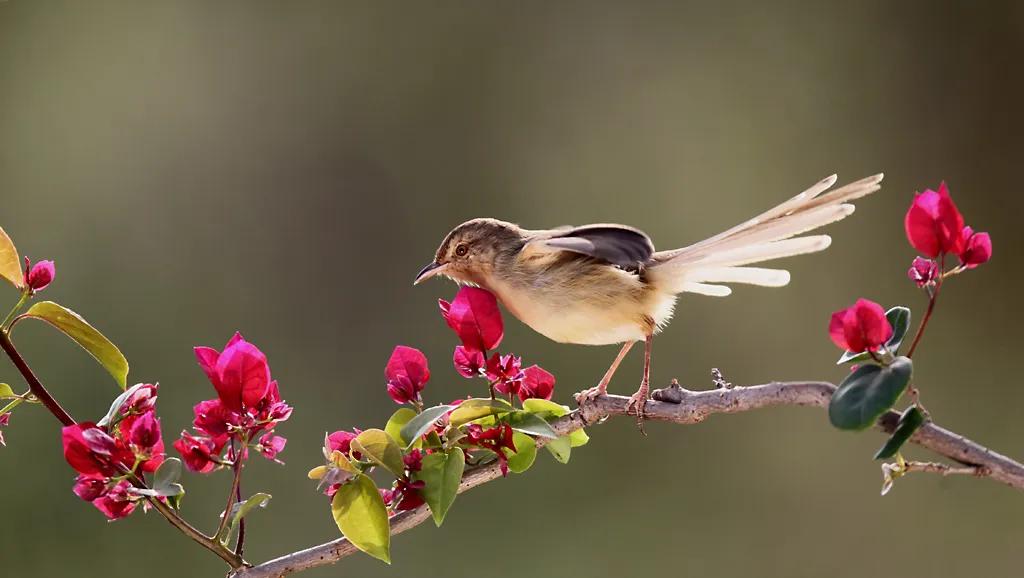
(168, 473)
(441, 473)
(910, 420)
(72, 325)
(114, 413)
(899, 319)
(241, 509)
(560, 448)
(361, 516)
(531, 424)
(397, 422)
(476, 408)
(377, 445)
(10, 263)
(526, 453)
(578, 438)
(422, 423)
(867, 393)
(545, 408)
(6, 392)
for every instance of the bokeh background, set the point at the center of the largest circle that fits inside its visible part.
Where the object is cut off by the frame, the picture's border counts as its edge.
(284, 168)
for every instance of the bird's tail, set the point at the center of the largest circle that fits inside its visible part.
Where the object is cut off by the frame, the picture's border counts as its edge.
(700, 268)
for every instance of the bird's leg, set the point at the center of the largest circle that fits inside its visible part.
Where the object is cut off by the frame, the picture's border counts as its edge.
(602, 386)
(639, 399)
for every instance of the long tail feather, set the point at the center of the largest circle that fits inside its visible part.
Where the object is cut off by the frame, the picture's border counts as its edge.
(768, 236)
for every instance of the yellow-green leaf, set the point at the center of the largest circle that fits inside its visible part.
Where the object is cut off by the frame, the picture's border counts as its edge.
(85, 335)
(398, 420)
(10, 263)
(578, 438)
(6, 392)
(476, 408)
(525, 454)
(381, 448)
(561, 448)
(361, 516)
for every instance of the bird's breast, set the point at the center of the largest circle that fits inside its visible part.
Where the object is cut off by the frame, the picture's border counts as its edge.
(588, 305)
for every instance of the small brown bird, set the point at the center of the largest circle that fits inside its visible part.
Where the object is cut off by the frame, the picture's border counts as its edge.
(604, 284)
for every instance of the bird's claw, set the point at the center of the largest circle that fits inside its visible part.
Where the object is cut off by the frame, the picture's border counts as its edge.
(637, 403)
(589, 395)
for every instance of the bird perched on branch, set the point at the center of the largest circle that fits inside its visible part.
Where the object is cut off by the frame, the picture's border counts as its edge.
(605, 284)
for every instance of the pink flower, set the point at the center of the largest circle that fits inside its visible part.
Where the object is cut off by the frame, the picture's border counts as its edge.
(143, 433)
(197, 452)
(475, 318)
(506, 371)
(5, 418)
(977, 248)
(270, 445)
(468, 362)
(407, 374)
(39, 275)
(90, 450)
(933, 223)
(239, 373)
(413, 460)
(923, 271)
(89, 487)
(341, 441)
(116, 503)
(141, 400)
(862, 327)
(537, 383)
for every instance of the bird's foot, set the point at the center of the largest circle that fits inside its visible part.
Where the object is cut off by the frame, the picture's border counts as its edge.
(637, 402)
(590, 394)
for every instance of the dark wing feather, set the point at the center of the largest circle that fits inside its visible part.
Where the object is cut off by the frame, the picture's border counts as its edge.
(617, 244)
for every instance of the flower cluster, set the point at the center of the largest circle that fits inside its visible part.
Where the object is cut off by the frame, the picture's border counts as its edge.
(244, 414)
(495, 439)
(405, 493)
(118, 451)
(475, 318)
(935, 227)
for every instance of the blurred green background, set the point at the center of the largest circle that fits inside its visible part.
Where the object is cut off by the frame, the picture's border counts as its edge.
(285, 168)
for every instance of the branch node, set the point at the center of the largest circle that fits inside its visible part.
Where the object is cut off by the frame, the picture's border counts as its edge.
(718, 380)
(673, 394)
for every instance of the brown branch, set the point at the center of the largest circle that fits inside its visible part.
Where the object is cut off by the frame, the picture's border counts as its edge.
(682, 407)
(34, 385)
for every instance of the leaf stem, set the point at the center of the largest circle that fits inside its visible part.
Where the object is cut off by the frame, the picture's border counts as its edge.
(17, 306)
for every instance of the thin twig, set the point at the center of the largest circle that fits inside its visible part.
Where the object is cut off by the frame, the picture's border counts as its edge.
(693, 407)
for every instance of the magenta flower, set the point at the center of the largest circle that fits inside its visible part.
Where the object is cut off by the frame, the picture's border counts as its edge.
(407, 374)
(537, 383)
(197, 452)
(506, 372)
(862, 327)
(475, 318)
(923, 271)
(240, 373)
(933, 223)
(977, 248)
(38, 276)
(468, 362)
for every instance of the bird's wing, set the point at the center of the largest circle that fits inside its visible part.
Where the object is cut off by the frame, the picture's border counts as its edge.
(617, 244)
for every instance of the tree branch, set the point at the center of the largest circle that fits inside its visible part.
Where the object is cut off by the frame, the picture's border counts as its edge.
(684, 407)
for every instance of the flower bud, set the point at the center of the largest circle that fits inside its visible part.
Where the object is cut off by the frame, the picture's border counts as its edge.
(39, 275)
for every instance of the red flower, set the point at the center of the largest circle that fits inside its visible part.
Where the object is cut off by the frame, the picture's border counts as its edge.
(340, 441)
(496, 439)
(39, 275)
(923, 271)
(240, 373)
(468, 362)
(197, 452)
(413, 460)
(933, 223)
(143, 433)
(475, 318)
(89, 487)
(5, 418)
(116, 503)
(270, 445)
(142, 399)
(862, 327)
(506, 371)
(90, 450)
(977, 248)
(407, 374)
(537, 383)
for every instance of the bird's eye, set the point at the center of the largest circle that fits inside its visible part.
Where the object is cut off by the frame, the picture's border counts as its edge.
(461, 250)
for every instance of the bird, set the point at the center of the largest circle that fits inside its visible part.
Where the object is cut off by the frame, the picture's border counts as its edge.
(605, 284)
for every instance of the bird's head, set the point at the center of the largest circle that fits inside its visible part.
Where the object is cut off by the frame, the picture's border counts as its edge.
(469, 252)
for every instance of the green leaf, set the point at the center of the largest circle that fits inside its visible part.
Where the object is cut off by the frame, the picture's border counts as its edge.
(72, 325)
(578, 438)
(560, 448)
(422, 423)
(241, 509)
(10, 263)
(899, 319)
(167, 474)
(910, 420)
(476, 408)
(361, 516)
(526, 453)
(545, 408)
(377, 445)
(867, 393)
(114, 413)
(6, 392)
(442, 474)
(397, 422)
(531, 424)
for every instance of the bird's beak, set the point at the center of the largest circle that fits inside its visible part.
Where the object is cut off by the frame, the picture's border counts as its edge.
(428, 272)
